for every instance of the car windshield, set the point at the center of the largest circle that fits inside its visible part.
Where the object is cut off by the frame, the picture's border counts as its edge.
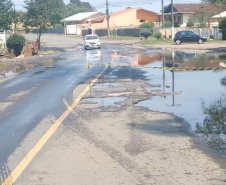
(91, 37)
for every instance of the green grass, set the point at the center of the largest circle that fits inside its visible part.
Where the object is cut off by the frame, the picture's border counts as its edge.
(154, 41)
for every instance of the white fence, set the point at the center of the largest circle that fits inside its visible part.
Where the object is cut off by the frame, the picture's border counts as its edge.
(3, 38)
(207, 32)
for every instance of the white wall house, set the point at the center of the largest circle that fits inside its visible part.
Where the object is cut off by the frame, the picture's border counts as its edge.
(183, 12)
(73, 24)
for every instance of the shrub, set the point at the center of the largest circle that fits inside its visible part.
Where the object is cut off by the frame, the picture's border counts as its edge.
(16, 42)
(222, 24)
(146, 34)
(176, 24)
(167, 24)
(158, 35)
(224, 34)
(211, 36)
(190, 23)
(147, 25)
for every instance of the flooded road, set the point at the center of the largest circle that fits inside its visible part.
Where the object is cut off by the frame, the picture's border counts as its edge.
(196, 93)
(87, 109)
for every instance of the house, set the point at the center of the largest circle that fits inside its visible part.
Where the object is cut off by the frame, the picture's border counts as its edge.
(74, 22)
(215, 20)
(130, 17)
(183, 12)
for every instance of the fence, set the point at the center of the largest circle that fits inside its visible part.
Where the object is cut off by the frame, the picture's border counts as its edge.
(206, 32)
(129, 32)
(54, 31)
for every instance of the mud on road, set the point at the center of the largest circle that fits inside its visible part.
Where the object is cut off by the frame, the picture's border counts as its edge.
(107, 139)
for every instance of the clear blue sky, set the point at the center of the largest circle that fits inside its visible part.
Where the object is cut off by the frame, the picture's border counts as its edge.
(116, 5)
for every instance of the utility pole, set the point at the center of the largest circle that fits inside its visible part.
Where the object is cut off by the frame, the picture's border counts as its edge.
(14, 18)
(172, 20)
(108, 18)
(163, 18)
(65, 28)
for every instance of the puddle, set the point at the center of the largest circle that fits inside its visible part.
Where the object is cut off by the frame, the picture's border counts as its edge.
(108, 101)
(103, 85)
(179, 59)
(199, 97)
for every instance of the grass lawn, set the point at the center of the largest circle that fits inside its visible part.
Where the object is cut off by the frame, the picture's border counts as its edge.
(154, 41)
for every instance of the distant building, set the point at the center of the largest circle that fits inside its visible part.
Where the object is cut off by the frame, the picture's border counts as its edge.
(215, 20)
(183, 12)
(130, 17)
(74, 23)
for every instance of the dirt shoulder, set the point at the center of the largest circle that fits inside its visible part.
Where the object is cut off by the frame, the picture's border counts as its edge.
(107, 139)
(211, 47)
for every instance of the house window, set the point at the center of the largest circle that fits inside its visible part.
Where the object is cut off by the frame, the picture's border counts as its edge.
(179, 18)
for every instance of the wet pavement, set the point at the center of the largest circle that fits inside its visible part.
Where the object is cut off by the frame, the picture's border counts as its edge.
(195, 96)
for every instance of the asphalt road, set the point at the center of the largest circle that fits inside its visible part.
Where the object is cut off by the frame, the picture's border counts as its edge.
(33, 95)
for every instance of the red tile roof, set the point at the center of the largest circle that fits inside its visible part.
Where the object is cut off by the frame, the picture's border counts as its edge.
(194, 7)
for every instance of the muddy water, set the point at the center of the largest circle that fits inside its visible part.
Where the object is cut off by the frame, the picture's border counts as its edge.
(193, 87)
(200, 96)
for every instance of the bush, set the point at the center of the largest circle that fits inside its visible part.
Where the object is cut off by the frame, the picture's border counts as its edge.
(58, 26)
(176, 24)
(158, 35)
(167, 24)
(211, 36)
(16, 43)
(190, 23)
(146, 34)
(222, 24)
(147, 25)
(224, 34)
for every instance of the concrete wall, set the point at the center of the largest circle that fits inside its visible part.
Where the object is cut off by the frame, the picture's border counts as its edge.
(146, 15)
(3, 39)
(185, 19)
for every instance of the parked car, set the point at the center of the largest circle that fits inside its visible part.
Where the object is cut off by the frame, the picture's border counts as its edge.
(188, 36)
(92, 42)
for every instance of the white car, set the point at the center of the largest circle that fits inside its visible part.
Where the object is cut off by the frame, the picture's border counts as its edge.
(92, 42)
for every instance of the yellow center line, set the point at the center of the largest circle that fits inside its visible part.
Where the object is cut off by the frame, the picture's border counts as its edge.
(11, 179)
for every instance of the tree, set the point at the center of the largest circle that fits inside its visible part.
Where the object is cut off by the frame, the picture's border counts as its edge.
(42, 14)
(200, 18)
(158, 35)
(167, 24)
(222, 26)
(16, 42)
(147, 25)
(6, 14)
(146, 34)
(76, 6)
(190, 23)
(18, 19)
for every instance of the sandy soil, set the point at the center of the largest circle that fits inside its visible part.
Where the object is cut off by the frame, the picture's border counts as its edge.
(123, 144)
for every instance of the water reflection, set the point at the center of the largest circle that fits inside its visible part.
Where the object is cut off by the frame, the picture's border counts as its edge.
(181, 59)
(214, 124)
